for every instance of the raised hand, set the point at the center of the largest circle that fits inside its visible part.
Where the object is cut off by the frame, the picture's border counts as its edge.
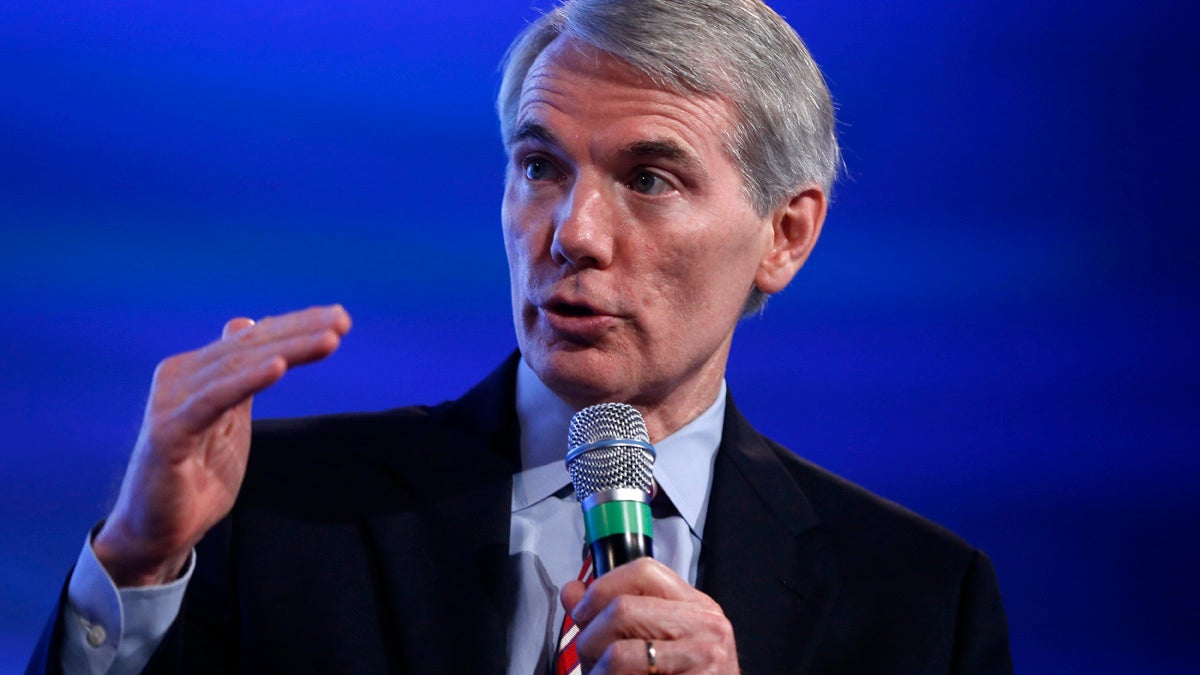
(642, 602)
(191, 453)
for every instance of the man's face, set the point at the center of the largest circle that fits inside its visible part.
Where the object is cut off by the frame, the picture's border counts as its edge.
(631, 247)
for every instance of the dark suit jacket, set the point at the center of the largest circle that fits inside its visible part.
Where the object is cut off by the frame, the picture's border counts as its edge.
(379, 543)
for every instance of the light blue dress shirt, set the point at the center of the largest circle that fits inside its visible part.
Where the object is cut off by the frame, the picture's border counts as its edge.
(114, 631)
(547, 523)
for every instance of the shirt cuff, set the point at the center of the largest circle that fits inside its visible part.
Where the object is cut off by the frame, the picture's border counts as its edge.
(111, 630)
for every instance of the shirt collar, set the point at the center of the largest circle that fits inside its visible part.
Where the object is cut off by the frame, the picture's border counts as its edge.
(544, 419)
(683, 467)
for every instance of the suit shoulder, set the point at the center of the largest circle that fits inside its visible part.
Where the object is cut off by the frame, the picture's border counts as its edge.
(359, 433)
(330, 466)
(873, 527)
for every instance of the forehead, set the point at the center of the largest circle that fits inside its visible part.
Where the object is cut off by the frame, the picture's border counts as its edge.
(574, 81)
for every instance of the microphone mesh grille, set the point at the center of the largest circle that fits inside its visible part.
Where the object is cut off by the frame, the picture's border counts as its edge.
(609, 467)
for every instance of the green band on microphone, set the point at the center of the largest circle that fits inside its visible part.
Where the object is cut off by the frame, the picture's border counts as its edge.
(618, 517)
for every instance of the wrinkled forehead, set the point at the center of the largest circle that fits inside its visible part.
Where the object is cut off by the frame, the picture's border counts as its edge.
(572, 55)
(576, 74)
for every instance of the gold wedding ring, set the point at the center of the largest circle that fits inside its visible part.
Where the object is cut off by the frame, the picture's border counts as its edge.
(651, 658)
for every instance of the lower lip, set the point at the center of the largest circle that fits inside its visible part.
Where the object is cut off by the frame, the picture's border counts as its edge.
(582, 328)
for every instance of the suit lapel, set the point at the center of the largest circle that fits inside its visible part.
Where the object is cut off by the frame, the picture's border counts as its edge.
(443, 557)
(764, 557)
(444, 563)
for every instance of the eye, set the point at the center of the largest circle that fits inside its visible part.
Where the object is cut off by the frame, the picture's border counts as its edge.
(540, 169)
(650, 183)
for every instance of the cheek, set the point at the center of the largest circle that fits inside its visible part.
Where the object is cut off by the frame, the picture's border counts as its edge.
(518, 267)
(677, 295)
(710, 278)
(527, 248)
(512, 227)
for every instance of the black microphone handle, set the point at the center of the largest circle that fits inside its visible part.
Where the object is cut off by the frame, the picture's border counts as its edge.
(618, 549)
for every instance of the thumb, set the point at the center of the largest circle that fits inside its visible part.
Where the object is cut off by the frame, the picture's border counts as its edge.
(234, 325)
(571, 594)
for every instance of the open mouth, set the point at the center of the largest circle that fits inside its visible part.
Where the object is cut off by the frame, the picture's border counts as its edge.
(572, 310)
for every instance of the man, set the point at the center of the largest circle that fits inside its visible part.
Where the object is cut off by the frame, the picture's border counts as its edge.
(669, 165)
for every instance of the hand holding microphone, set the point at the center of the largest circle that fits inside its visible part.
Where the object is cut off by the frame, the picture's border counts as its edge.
(638, 615)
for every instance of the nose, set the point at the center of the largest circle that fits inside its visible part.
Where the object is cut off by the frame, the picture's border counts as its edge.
(583, 228)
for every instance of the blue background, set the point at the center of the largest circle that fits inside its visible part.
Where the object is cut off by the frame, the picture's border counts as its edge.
(997, 329)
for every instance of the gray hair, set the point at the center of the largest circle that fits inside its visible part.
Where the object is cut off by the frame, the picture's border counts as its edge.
(740, 51)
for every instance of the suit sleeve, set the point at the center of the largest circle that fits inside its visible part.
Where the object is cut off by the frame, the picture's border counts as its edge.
(981, 629)
(44, 659)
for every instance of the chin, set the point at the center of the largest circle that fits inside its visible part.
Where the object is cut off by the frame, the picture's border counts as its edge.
(579, 376)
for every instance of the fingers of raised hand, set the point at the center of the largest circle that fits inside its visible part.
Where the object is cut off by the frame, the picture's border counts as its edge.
(243, 333)
(195, 388)
(231, 383)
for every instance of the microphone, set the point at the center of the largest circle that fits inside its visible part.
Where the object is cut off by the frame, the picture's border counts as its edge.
(611, 463)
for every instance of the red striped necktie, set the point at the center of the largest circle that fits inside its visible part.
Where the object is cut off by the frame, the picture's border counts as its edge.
(566, 662)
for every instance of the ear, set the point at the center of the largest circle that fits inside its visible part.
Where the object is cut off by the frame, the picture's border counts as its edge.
(796, 225)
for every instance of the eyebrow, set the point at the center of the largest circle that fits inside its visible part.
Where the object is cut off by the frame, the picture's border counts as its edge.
(533, 131)
(660, 148)
(667, 149)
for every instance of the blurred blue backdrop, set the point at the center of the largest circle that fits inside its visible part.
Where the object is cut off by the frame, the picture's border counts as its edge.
(997, 329)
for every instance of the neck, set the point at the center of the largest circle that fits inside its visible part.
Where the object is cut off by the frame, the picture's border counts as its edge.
(668, 407)
(667, 414)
